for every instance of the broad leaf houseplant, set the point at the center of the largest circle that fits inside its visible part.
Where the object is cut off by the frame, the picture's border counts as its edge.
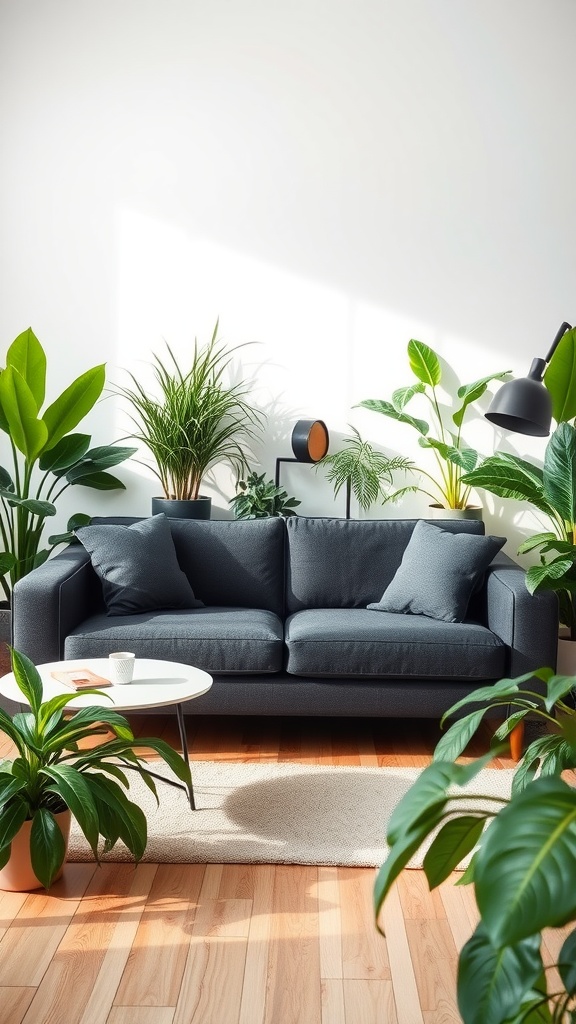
(523, 865)
(46, 457)
(51, 774)
(443, 436)
(259, 498)
(195, 420)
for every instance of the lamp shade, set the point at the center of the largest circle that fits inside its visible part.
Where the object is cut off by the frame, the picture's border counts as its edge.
(310, 440)
(524, 406)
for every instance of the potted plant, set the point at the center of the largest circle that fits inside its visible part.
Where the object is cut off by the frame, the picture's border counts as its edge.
(46, 457)
(195, 421)
(51, 778)
(450, 494)
(364, 472)
(259, 498)
(552, 491)
(523, 849)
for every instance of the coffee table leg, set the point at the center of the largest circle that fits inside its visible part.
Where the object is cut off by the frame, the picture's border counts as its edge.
(184, 742)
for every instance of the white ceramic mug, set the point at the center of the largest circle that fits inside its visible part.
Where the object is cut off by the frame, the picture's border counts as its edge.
(121, 667)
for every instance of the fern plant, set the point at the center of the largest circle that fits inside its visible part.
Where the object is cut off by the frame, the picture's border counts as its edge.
(366, 473)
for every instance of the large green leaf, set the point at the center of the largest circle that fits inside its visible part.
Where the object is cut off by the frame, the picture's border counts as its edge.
(128, 818)
(560, 378)
(27, 356)
(510, 477)
(424, 363)
(73, 404)
(457, 737)
(387, 409)
(47, 846)
(567, 963)
(492, 981)
(560, 472)
(37, 508)
(28, 433)
(12, 817)
(548, 576)
(65, 454)
(402, 396)
(76, 793)
(9, 786)
(498, 691)
(109, 455)
(27, 679)
(521, 871)
(99, 481)
(404, 848)
(465, 458)
(455, 840)
(471, 392)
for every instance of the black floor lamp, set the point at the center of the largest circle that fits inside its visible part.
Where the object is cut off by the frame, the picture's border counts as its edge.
(310, 442)
(524, 405)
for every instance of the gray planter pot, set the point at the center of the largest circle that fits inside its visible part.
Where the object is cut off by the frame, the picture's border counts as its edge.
(194, 508)
(472, 512)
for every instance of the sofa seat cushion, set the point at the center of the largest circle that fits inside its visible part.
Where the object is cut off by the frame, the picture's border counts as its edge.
(218, 640)
(357, 642)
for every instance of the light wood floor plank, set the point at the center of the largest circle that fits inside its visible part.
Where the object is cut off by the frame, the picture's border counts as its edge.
(255, 988)
(434, 958)
(457, 909)
(11, 904)
(294, 962)
(141, 1015)
(102, 996)
(332, 1001)
(212, 982)
(369, 1002)
(364, 952)
(417, 900)
(330, 923)
(155, 967)
(406, 998)
(13, 1004)
(27, 951)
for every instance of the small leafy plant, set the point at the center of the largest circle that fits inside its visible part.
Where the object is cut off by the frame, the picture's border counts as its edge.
(453, 457)
(259, 498)
(51, 772)
(523, 864)
(195, 421)
(46, 457)
(367, 473)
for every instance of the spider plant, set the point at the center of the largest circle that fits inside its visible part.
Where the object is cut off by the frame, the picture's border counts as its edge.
(51, 773)
(365, 472)
(195, 421)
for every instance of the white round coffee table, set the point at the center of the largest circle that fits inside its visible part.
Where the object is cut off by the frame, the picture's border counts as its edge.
(155, 684)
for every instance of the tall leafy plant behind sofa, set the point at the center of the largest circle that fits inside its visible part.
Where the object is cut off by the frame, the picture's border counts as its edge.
(47, 457)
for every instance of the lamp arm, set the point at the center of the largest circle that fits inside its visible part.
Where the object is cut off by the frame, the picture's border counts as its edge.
(536, 371)
(561, 332)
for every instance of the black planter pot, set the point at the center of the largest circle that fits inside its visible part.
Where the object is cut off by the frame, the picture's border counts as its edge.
(192, 508)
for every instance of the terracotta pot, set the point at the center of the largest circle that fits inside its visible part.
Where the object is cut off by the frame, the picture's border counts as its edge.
(17, 875)
(472, 512)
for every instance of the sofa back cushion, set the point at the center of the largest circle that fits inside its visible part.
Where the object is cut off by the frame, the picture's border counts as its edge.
(347, 563)
(233, 562)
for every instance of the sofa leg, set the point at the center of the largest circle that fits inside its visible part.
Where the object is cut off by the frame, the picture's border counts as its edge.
(517, 741)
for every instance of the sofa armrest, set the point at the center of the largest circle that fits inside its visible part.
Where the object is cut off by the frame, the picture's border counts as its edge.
(51, 601)
(527, 623)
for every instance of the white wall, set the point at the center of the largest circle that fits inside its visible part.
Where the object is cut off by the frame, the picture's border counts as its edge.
(329, 177)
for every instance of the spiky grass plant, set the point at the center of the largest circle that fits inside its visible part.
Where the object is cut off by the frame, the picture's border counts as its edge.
(196, 421)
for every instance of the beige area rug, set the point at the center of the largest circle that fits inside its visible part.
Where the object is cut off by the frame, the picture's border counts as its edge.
(276, 814)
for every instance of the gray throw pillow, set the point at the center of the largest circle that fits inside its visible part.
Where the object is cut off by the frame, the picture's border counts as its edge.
(138, 567)
(438, 573)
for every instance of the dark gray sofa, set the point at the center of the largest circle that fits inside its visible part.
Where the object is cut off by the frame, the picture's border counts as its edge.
(284, 629)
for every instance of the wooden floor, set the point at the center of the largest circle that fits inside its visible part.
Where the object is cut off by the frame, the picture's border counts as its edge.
(241, 944)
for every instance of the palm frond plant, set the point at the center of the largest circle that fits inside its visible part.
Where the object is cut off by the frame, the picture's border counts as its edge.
(453, 458)
(259, 498)
(364, 472)
(196, 420)
(552, 491)
(51, 773)
(523, 854)
(46, 458)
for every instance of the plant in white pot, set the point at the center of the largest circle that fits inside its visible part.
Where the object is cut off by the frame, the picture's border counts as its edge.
(447, 489)
(52, 777)
(195, 421)
(46, 457)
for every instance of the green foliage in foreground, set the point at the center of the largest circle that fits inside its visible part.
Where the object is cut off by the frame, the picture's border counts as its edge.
(51, 772)
(523, 863)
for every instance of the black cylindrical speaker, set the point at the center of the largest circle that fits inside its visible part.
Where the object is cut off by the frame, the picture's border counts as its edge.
(310, 440)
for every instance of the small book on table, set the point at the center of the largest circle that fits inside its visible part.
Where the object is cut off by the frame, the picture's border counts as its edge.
(80, 679)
